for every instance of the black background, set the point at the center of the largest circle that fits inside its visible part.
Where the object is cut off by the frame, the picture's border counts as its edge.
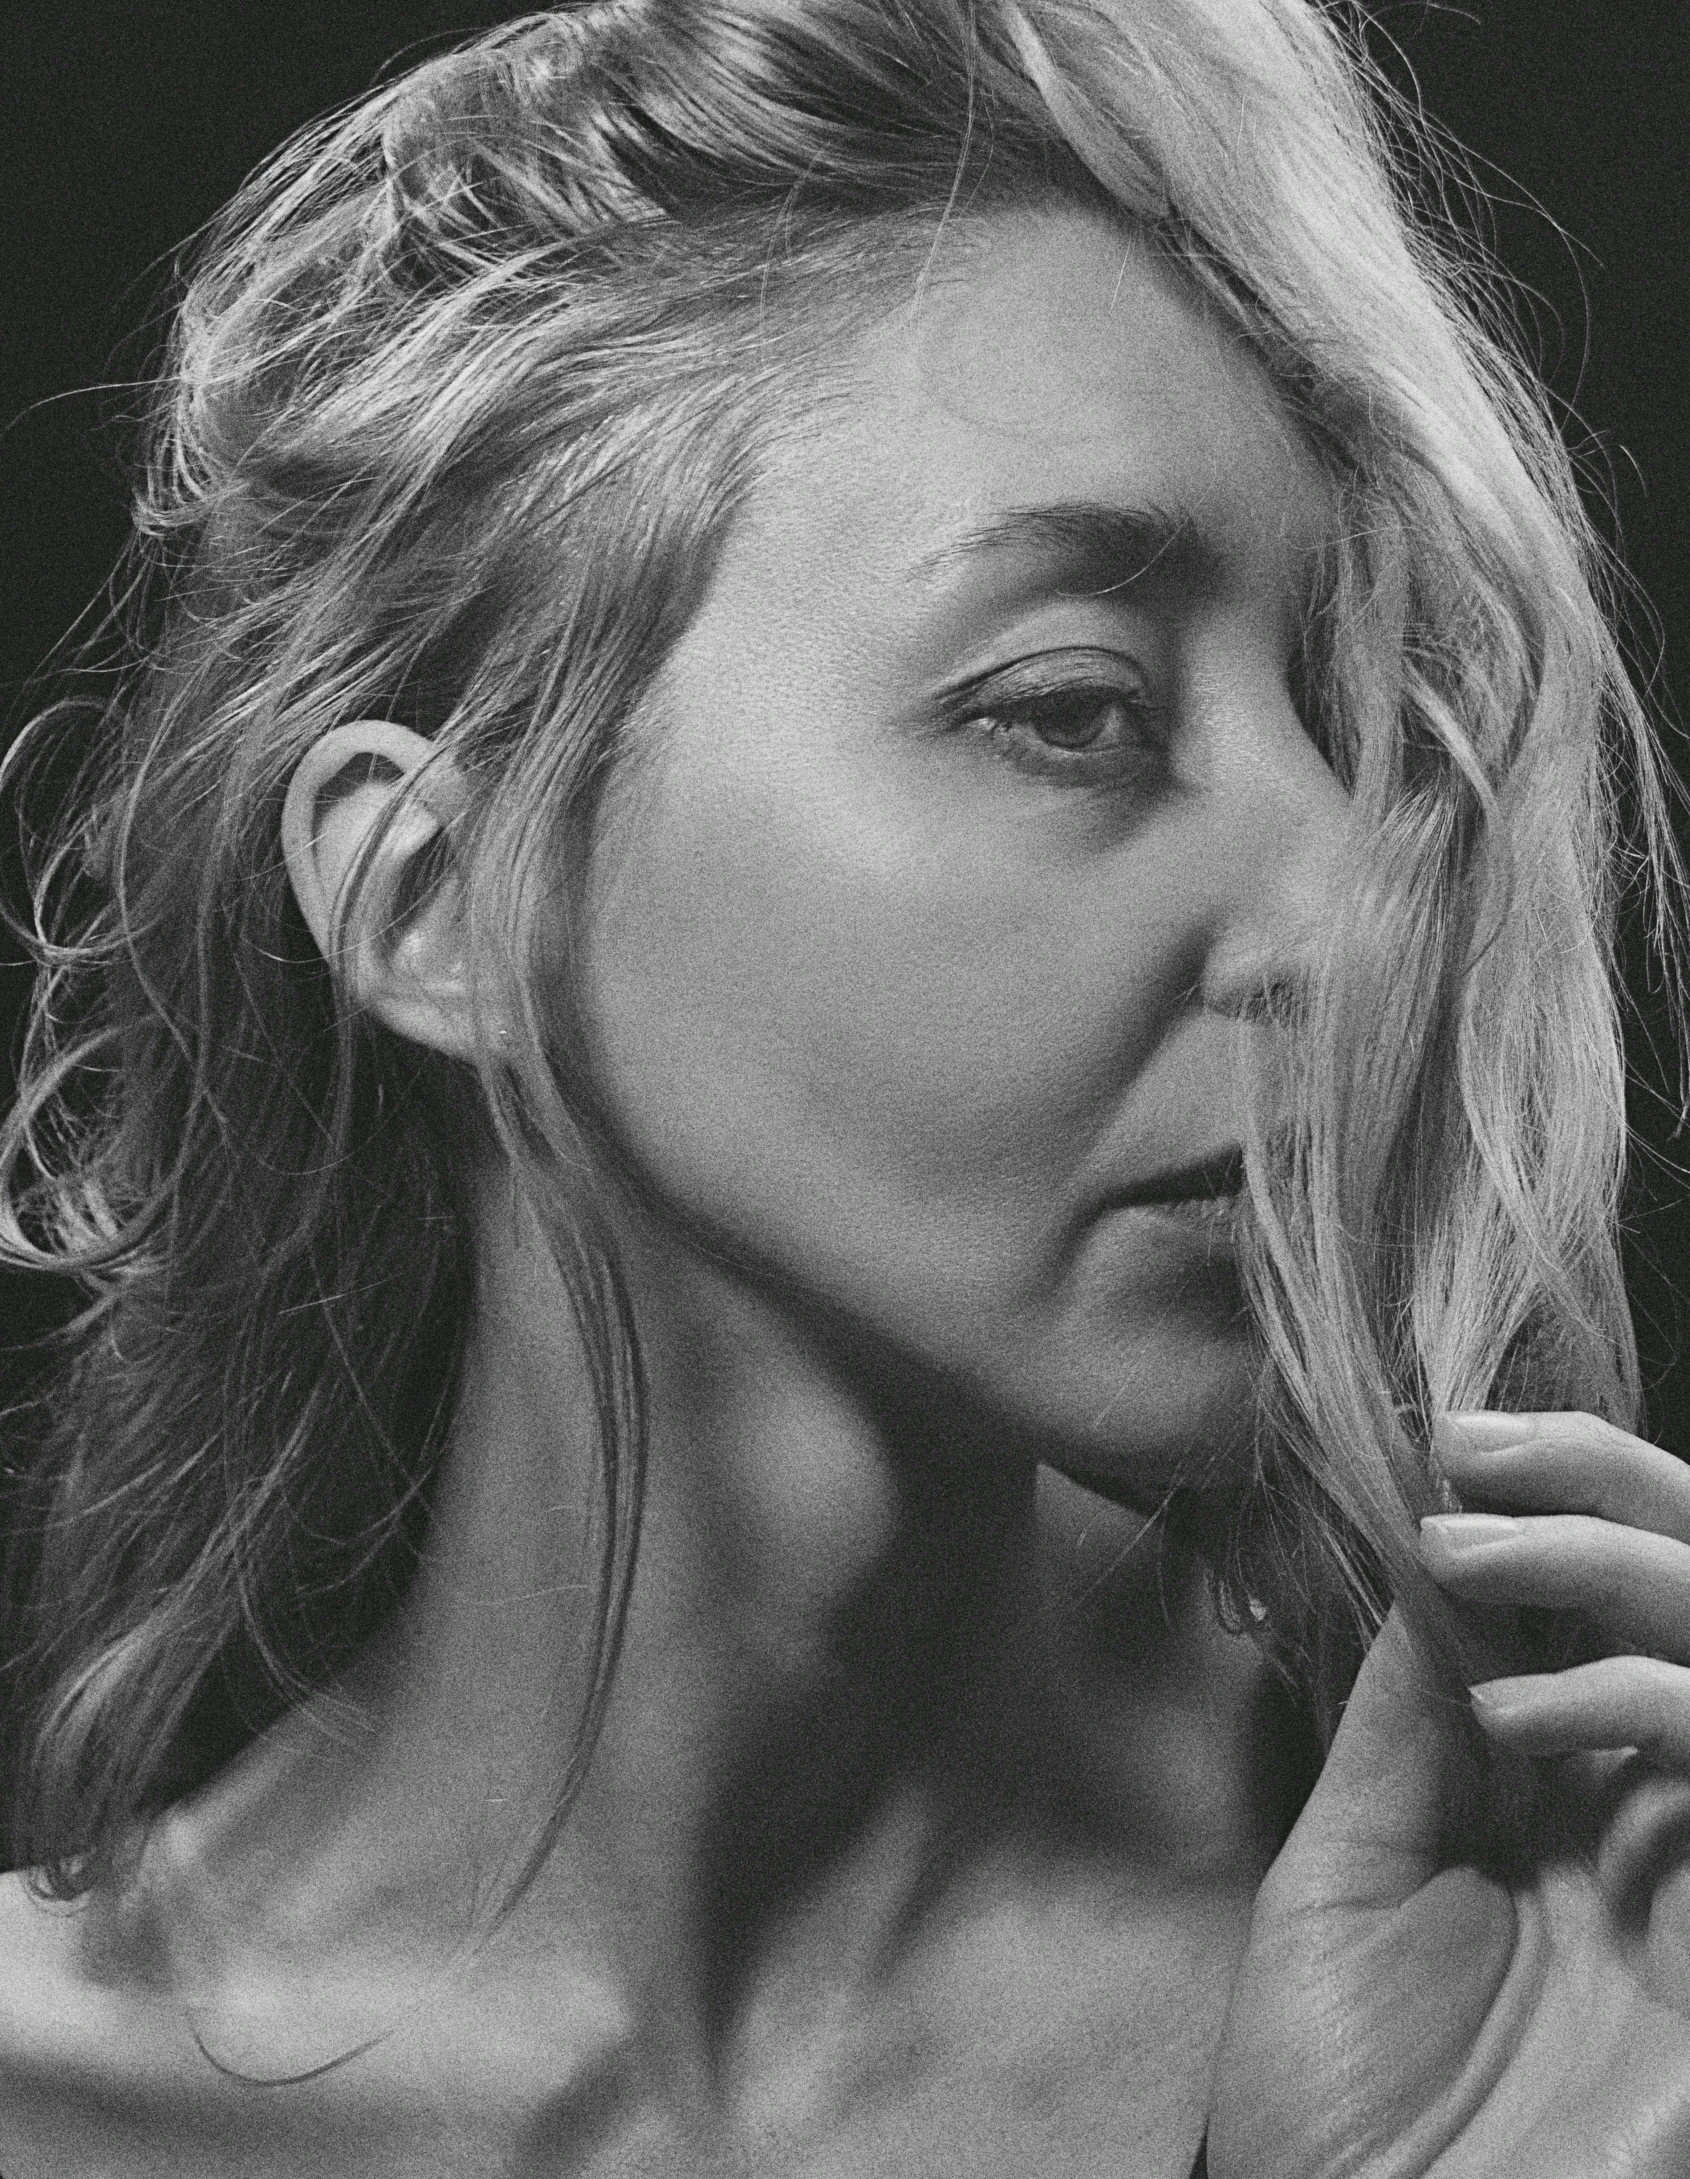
(124, 127)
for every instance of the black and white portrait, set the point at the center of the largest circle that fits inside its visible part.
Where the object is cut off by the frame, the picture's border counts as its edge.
(841, 1185)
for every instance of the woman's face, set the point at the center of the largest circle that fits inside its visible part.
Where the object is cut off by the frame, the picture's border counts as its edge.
(977, 812)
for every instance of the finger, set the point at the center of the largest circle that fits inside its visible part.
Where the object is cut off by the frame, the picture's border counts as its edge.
(1371, 1832)
(1616, 1702)
(1566, 1464)
(1633, 1582)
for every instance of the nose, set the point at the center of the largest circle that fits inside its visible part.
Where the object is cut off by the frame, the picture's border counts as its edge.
(1283, 826)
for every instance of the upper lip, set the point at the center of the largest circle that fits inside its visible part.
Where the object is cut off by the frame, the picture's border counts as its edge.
(1217, 1172)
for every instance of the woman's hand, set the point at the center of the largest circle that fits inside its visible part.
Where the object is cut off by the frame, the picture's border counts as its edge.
(1404, 2018)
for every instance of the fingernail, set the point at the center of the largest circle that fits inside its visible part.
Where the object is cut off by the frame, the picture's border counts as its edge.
(1485, 1429)
(1500, 1698)
(1470, 1531)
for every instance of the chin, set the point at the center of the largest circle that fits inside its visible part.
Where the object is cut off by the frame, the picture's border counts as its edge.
(1175, 1413)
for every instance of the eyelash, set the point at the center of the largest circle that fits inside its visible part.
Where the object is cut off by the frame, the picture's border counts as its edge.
(996, 708)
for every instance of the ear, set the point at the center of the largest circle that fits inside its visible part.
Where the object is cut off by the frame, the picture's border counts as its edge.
(405, 964)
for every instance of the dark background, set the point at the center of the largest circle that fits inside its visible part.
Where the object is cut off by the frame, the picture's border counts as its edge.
(123, 127)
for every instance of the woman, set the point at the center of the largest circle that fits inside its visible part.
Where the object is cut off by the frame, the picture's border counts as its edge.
(867, 749)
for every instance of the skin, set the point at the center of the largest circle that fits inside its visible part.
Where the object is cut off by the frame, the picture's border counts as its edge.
(893, 1855)
(1542, 2025)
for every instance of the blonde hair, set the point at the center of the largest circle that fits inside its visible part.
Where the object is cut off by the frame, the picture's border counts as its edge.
(463, 390)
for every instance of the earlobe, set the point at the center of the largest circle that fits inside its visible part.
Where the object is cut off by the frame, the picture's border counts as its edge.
(350, 853)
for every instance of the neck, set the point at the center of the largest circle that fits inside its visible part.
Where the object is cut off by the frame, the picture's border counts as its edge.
(831, 1657)
(832, 1743)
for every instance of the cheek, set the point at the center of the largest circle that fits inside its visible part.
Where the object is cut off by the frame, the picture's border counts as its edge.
(826, 1024)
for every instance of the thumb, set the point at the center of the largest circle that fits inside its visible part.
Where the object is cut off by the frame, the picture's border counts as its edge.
(1376, 1827)
(1375, 1955)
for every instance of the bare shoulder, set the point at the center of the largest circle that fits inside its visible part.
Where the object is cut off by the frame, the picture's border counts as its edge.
(38, 1940)
(74, 2043)
(53, 2000)
(132, 2046)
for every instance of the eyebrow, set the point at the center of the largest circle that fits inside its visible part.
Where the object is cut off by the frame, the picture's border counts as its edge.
(1089, 544)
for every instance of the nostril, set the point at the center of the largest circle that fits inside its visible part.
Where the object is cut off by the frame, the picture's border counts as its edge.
(1254, 974)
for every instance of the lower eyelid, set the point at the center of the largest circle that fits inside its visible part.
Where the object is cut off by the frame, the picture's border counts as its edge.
(1094, 766)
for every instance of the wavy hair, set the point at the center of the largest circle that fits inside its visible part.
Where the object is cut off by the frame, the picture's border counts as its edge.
(462, 392)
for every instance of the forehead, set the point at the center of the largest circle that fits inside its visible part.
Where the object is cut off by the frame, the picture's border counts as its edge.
(1048, 360)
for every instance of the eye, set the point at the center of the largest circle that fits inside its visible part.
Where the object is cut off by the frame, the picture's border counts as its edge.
(1075, 719)
(1089, 727)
